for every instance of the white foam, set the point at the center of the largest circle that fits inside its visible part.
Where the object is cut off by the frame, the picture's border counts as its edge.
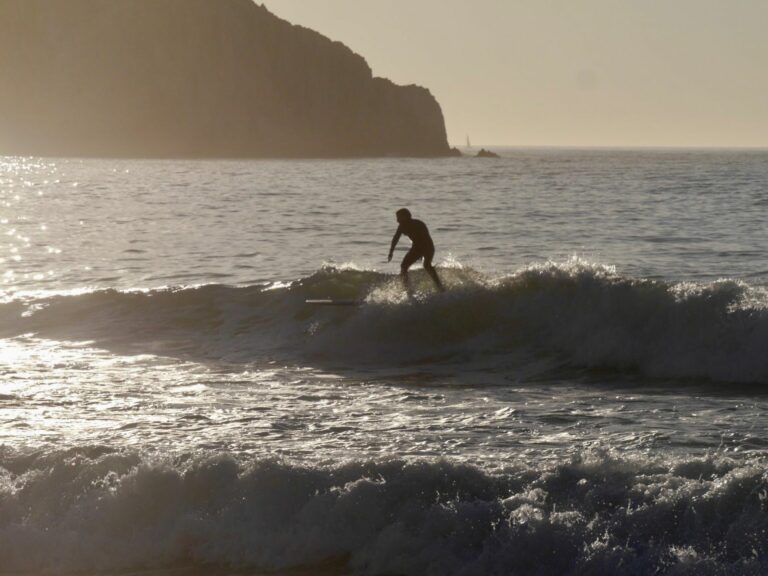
(576, 312)
(93, 510)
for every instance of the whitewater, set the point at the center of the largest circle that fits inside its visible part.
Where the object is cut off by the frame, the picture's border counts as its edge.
(587, 397)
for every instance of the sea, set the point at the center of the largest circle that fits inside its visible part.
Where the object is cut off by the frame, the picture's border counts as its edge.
(587, 397)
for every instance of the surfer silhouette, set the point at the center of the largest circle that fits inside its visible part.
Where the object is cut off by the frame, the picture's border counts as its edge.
(422, 247)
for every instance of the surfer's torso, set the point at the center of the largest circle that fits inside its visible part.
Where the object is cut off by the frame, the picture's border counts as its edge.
(418, 233)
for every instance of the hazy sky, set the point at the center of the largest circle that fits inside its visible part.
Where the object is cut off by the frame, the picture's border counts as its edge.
(568, 72)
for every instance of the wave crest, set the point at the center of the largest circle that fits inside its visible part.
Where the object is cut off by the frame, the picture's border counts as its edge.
(577, 313)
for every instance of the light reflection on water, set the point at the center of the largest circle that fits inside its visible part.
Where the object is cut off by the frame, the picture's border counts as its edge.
(65, 394)
(124, 224)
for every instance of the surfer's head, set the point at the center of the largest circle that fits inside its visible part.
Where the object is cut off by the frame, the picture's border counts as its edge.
(403, 215)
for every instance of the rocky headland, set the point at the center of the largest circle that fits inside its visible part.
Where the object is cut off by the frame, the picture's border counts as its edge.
(195, 78)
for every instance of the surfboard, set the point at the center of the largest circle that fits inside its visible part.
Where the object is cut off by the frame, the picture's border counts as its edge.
(332, 302)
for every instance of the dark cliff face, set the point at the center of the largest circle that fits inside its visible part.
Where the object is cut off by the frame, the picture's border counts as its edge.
(195, 78)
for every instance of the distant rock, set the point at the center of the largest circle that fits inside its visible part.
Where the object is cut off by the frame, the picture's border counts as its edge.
(195, 78)
(486, 154)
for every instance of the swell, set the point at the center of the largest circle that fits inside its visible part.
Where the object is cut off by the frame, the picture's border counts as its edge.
(579, 314)
(96, 510)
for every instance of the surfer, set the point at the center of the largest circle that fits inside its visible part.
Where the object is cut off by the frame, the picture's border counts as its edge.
(422, 247)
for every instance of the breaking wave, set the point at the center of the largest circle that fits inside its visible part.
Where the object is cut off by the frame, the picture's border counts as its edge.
(97, 510)
(579, 314)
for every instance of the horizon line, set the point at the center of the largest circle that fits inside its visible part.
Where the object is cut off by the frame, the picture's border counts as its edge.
(609, 147)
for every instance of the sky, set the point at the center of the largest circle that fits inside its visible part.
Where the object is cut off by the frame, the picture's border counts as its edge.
(691, 73)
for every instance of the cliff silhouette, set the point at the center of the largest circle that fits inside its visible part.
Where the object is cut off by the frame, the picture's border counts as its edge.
(195, 78)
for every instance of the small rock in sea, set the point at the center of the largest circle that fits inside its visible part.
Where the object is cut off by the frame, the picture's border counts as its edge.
(486, 154)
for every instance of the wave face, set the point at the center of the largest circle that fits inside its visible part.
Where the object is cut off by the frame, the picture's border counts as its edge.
(94, 510)
(576, 314)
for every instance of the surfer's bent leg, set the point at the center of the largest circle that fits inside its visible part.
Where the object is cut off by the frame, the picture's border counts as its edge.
(410, 258)
(431, 270)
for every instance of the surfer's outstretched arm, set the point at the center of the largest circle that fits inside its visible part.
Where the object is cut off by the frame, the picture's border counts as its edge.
(395, 240)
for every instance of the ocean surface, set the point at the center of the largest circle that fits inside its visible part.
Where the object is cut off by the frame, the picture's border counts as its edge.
(589, 396)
